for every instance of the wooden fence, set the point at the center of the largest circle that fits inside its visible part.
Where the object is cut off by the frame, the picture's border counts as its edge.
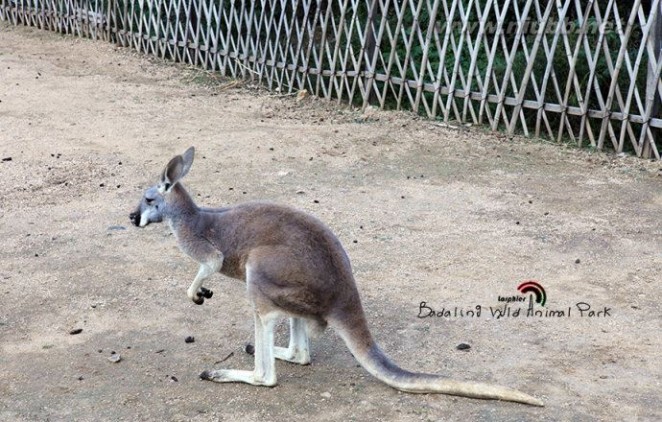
(581, 70)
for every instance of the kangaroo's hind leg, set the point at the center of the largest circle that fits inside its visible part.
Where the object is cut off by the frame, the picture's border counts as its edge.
(298, 350)
(265, 363)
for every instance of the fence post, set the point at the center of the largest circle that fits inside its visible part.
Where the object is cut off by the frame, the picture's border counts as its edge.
(653, 77)
(370, 51)
(109, 29)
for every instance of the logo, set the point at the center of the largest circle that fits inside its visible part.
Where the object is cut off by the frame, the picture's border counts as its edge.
(532, 286)
(528, 290)
(530, 303)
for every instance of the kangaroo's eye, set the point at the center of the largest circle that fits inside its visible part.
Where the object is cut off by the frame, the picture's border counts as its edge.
(149, 201)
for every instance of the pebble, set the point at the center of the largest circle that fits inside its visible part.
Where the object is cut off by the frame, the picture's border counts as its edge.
(463, 346)
(115, 358)
(326, 395)
(76, 331)
(189, 339)
(250, 349)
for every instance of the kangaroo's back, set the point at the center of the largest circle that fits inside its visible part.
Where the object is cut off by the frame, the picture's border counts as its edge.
(239, 230)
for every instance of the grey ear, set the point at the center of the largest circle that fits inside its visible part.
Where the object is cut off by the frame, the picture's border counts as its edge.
(177, 168)
(187, 156)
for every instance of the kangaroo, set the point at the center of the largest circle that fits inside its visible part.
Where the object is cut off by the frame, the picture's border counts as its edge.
(293, 267)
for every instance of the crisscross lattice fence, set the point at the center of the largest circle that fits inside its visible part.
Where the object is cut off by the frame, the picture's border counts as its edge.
(585, 70)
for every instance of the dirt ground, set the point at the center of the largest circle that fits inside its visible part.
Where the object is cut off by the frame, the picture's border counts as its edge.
(451, 217)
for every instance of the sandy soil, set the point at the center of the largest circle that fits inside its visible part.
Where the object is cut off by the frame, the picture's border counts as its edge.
(452, 217)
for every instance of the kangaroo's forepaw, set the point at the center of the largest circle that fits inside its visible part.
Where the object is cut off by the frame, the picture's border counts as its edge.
(206, 293)
(201, 295)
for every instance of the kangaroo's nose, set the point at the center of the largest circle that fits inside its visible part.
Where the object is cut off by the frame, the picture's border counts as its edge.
(135, 218)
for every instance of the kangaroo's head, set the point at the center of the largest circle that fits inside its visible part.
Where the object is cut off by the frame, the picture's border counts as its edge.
(151, 207)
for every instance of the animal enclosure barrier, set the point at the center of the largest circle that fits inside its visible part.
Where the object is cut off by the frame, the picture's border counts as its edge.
(581, 70)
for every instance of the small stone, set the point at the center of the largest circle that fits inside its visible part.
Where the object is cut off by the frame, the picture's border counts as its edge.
(463, 346)
(301, 95)
(76, 331)
(249, 349)
(116, 228)
(578, 261)
(174, 378)
(7, 159)
(189, 339)
(326, 395)
(115, 358)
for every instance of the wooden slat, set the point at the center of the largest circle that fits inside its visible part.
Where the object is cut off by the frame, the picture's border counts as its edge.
(449, 59)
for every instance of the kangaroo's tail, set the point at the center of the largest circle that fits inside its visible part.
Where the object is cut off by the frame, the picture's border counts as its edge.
(374, 360)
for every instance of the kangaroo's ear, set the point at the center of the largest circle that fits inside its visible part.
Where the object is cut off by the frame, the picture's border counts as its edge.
(187, 156)
(176, 169)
